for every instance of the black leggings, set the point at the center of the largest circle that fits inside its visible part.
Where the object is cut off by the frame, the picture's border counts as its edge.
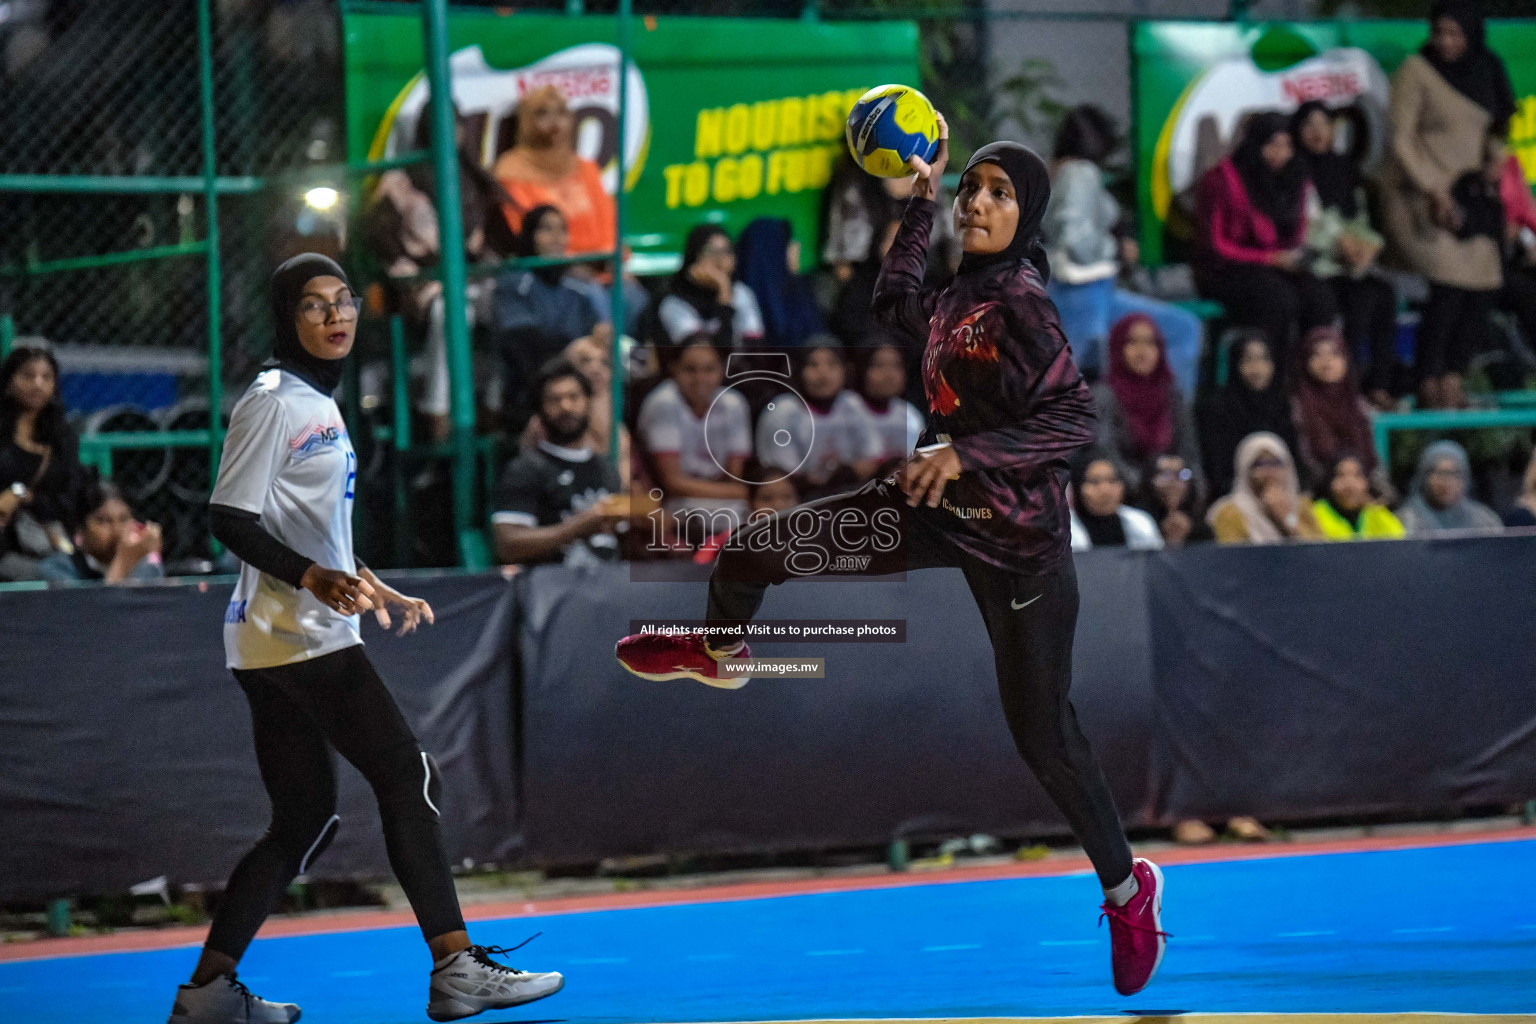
(1030, 620)
(299, 712)
(1369, 306)
(1453, 329)
(1280, 303)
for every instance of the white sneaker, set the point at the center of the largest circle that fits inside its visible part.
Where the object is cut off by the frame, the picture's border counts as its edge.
(225, 1001)
(469, 982)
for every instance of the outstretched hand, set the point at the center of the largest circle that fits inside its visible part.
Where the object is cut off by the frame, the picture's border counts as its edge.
(412, 609)
(928, 174)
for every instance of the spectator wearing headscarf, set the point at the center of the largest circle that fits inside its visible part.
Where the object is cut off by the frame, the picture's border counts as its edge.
(1344, 247)
(1249, 245)
(1100, 517)
(1171, 496)
(1265, 506)
(1141, 412)
(1450, 109)
(1437, 499)
(1251, 402)
(704, 296)
(542, 168)
(536, 313)
(769, 258)
(1347, 510)
(1086, 256)
(1331, 417)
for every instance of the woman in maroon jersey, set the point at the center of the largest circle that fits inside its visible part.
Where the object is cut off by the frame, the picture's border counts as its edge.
(986, 494)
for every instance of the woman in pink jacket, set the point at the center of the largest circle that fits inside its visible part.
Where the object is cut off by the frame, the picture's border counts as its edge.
(1249, 255)
(1519, 293)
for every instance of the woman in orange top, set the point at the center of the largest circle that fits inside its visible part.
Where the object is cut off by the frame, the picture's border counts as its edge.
(543, 168)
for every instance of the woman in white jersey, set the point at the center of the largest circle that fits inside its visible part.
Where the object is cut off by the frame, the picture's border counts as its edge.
(283, 505)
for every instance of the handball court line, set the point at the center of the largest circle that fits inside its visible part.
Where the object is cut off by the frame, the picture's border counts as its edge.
(356, 921)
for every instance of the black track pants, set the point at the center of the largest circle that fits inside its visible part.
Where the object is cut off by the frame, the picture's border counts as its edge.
(1030, 620)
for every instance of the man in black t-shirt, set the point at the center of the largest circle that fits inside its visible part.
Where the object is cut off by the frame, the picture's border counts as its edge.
(561, 500)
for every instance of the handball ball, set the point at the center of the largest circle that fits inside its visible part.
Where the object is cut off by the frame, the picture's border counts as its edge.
(887, 125)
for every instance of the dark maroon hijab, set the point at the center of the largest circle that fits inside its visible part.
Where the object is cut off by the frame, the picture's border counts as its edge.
(1146, 401)
(1331, 418)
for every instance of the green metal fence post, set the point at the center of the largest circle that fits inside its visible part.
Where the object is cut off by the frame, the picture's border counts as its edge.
(7, 334)
(211, 204)
(616, 299)
(434, 15)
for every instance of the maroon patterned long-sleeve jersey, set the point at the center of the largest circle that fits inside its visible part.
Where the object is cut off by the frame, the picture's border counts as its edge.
(1002, 388)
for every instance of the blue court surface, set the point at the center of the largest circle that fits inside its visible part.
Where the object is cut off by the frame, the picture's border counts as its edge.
(1448, 929)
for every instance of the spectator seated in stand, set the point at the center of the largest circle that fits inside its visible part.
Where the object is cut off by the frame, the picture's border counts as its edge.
(860, 219)
(897, 422)
(561, 500)
(1437, 497)
(1252, 223)
(41, 479)
(696, 437)
(705, 297)
(110, 547)
(591, 357)
(822, 433)
(1100, 517)
(536, 313)
(1523, 514)
(1343, 248)
(1266, 505)
(773, 496)
(1250, 402)
(1332, 419)
(400, 224)
(1141, 412)
(1171, 496)
(1079, 231)
(1347, 511)
(769, 258)
(542, 168)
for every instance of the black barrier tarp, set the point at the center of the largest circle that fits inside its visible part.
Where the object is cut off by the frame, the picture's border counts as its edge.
(1344, 679)
(125, 746)
(898, 739)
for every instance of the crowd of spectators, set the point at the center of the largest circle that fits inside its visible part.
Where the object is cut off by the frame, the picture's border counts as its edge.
(1272, 442)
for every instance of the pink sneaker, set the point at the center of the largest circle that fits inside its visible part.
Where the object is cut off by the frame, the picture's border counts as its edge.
(1136, 936)
(660, 657)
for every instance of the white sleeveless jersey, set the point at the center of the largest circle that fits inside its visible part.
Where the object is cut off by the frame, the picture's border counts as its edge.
(288, 459)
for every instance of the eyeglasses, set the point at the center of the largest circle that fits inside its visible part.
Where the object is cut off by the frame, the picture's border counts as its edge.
(1169, 475)
(318, 311)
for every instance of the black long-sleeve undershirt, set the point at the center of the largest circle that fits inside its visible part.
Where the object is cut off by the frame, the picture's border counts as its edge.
(241, 532)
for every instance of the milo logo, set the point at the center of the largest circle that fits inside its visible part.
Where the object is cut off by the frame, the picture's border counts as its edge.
(586, 75)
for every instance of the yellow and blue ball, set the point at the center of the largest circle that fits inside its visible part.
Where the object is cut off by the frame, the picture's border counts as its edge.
(889, 124)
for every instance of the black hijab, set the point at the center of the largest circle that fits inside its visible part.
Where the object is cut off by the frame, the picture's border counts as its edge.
(1104, 531)
(1032, 184)
(701, 297)
(287, 286)
(1479, 75)
(1333, 175)
(1276, 194)
(527, 246)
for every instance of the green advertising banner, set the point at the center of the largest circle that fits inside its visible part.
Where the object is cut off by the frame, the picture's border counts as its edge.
(1195, 82)
(729, 119)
